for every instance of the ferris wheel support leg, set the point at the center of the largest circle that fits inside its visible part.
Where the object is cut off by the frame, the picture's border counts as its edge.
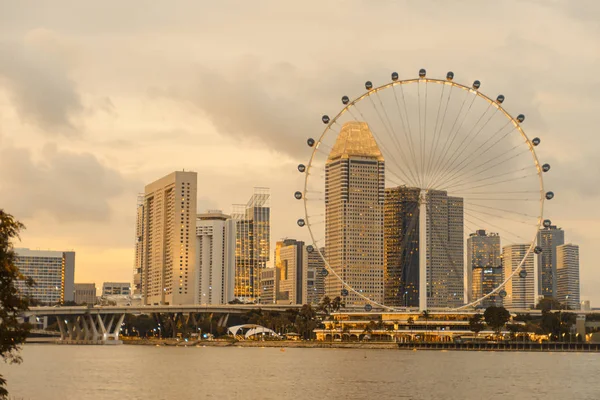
(423, 251)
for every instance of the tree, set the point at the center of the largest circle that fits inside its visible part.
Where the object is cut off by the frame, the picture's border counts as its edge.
(336, 304)
(325, 305)
(514, 329)
(476, 323)
(496, 318)
(550, 303)
(12, 332)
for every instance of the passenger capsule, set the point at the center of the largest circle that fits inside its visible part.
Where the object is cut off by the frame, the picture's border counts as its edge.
(368, 307)
(324, 272)
(537, 250)
(310, 248)
(345, 100)
(325, 119)
(476, 84)
(536, 141)
(546, 167)
(500, 99)
(523, 273)
(298, 195)
(450, 75)
(301, 167)
(422, 73)
(502, 293)
(520, 118)
(368, 85)
(310, 142)
(394, 76)
(547, 223)
(549, 195)
(301, 222)
(344, 292)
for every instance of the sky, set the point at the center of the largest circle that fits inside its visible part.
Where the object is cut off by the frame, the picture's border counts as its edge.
(98, 99)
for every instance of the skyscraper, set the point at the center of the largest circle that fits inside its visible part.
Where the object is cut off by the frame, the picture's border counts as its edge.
(253, 235)
(548, 239)
(520, 291)
(484, 267)
(215, 259)
(567, 275)
(401, 246)
(445, 250)
(354, 197)
(165, 246)
(139, 246)
(293, 267)
(52, 271)
(315, 285)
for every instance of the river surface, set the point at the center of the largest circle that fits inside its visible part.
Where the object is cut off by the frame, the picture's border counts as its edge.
(51, 372)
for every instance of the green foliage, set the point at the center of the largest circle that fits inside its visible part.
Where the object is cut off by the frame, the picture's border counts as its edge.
(476, 323)
(12, 332)
(550, 303)
(496, 318)
(557, 323)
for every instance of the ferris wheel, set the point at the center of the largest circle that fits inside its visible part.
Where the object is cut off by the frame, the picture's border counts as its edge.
(401, 180)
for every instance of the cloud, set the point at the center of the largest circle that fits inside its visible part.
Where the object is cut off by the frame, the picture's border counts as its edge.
(69, 186)
(34, 73)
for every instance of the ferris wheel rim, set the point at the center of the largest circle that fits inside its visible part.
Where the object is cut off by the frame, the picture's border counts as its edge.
(475, 91)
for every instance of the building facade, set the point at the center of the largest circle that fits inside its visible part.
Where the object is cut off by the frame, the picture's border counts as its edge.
(253, 235)
(116, 289)
(52, 271)
(293, 267)
(215, 258)
(85, 293)
(445, 250)
(484, 267)
(269, 278)
(315, 284)
(520, 291)
(548, 239)
(354, 198)
(401, 246)
(165, 245)
(567, 276)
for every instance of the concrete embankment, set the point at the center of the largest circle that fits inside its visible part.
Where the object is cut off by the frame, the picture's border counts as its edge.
(255, 343)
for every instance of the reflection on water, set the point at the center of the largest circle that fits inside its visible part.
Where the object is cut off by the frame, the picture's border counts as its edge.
(144, 372)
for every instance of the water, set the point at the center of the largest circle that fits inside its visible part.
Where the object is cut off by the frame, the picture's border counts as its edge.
(144, 372)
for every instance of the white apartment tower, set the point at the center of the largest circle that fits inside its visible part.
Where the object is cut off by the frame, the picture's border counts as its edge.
(567, 279)
(520, 292)
(166, 240)
(354, 197)
(215, 258)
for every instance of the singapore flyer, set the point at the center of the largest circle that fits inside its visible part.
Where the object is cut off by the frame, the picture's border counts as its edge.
(425, 193)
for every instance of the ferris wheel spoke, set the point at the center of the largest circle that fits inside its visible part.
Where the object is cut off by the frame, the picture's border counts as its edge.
(502, 210)
(491, 214)
(394, 138)
(490, 184)
(486, 178)
(486, 222)
(378, 140)
(462, 147)
(444, 147)
(409, 133)
(436, 136)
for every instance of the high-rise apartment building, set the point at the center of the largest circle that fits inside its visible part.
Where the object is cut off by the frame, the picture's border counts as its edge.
(401, 246)
(520, 291)
(315, 284)
(165, 243)
(253, 235)
(567, 275)
(52, 271)
(215, 258)
(116, 289)
(354, 197)
(139, 246)
(484, 267)
(85, 293)
(548, 239)
(293, 267)
(445, 250)
(269, 280)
